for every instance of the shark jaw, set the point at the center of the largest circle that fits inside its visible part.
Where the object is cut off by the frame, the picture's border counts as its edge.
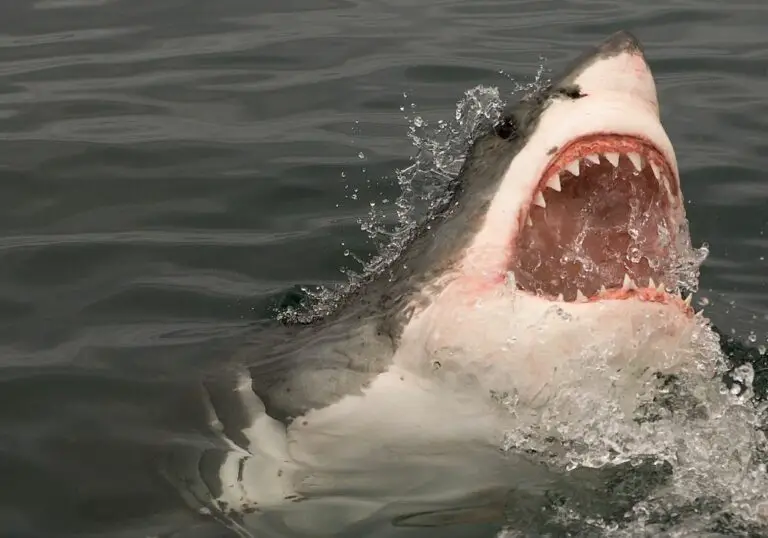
(590, 208)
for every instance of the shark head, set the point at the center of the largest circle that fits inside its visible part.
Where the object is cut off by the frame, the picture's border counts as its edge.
(579, 229)
(590, 206)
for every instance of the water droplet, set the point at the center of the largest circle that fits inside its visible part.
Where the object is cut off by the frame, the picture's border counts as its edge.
(418, 121)
(361, 155)
(752, 337)
(703, 301)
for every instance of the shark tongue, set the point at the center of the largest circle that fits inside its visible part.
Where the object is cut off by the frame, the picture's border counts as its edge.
(609, 218)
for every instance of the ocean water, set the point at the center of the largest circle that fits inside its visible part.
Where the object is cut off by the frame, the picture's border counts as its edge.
(170, 170)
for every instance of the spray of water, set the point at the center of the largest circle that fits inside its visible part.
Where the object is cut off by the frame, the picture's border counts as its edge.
(439, 155)
(709, 437)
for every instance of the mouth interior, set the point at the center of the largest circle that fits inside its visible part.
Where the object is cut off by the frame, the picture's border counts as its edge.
(607, 214)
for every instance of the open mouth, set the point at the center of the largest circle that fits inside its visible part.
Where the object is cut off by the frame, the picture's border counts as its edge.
(602, 223)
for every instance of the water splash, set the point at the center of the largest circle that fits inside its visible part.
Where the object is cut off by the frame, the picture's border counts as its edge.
(439, 154)
(709, 436)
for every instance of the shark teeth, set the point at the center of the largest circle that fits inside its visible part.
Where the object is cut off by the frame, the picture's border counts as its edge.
(628, 283)
(573, 167)
(554, 183)
(576, 168)
(656, 171)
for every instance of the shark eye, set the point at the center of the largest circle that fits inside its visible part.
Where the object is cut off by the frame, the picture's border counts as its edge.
(506, 128)
(572, 92)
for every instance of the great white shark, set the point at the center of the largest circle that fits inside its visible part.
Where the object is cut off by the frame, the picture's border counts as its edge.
(554, 262)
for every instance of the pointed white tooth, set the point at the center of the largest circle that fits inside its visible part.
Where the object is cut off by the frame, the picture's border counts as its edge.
(661, 288)
(655, 168)
(687, 301)
(629, 284)
(613, 158)
(602, 289)
(539, 200)
(593, 157)
(560, 297)
(667, 187)
(636, 160)
(580, 298)
(651, 283)
(554, 183)
(528, 221)
(573, 167)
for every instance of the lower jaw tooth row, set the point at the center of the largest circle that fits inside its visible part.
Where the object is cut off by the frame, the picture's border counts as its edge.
(581, 298)
(628, 285)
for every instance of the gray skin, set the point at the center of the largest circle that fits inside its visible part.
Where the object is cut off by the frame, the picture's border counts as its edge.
(302, 366)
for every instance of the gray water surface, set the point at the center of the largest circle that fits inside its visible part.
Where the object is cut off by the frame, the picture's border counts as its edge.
(169, 169)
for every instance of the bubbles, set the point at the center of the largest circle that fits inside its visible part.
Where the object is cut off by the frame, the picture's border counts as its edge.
(688, 262)
(744, 376)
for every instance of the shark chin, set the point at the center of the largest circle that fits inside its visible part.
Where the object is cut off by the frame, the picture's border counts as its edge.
(553, 265)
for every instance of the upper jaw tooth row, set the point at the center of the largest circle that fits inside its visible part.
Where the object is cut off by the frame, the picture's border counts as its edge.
(574, 167)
